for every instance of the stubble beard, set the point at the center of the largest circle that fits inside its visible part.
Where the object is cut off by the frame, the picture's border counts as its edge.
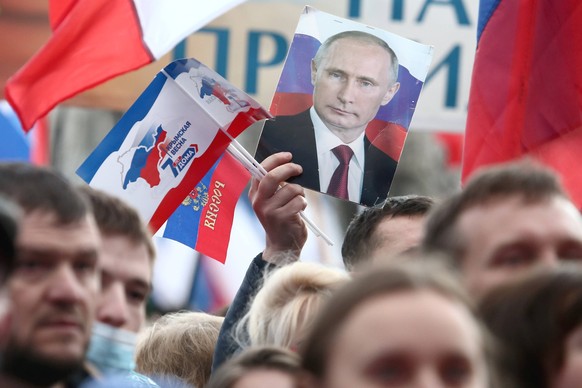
(25, 364)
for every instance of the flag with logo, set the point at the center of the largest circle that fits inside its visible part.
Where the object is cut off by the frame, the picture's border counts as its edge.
(170, 138)
(95, 40)
(526, 90)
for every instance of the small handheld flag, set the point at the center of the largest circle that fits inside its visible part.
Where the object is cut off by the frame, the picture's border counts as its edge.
(170, 138)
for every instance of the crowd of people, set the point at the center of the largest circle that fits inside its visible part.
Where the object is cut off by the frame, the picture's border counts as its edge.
(481, 289)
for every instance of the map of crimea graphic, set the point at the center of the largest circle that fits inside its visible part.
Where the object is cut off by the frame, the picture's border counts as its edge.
(145, 160)
(208, 86)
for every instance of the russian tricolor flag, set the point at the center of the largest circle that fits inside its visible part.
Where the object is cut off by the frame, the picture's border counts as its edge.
(526, 90)
(203, 221)
(95, 40)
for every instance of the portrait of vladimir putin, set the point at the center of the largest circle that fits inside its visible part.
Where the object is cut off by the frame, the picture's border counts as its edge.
(353, 74)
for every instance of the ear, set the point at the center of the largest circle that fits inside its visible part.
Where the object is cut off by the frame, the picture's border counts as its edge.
(390, 93)
(313, 72)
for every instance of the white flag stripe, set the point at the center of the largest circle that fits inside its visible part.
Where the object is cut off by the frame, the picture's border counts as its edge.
(165, 23)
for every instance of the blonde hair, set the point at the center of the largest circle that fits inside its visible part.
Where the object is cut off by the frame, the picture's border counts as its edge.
(181, 345)
(287, 303)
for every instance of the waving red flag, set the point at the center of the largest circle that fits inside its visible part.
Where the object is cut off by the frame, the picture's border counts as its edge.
(526, 91)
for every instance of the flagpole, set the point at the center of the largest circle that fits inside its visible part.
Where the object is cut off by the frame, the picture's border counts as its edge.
(259, 172)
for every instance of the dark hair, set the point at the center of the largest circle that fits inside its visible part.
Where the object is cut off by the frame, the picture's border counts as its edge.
(360, 240)
(378, 280)
(42, 189)
(532, 318)
(9, 218)
(255, 358)
(115, 217)
(525, 179)
(362, 37)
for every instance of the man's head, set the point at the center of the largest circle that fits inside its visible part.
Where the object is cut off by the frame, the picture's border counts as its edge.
(383, 231)
(508, 219)
(55, 281)
(353, 73)
(126, 264)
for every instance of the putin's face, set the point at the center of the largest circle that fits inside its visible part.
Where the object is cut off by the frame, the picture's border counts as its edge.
(351, 83)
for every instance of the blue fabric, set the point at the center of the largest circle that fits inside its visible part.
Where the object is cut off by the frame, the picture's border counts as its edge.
(14, 145)
(183, 224)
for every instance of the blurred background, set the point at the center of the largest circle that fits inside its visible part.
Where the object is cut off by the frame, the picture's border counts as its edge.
(248, 46)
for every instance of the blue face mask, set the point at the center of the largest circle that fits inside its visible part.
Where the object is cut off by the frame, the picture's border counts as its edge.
(111, 349)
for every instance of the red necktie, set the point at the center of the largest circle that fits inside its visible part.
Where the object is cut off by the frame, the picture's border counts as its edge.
(338, 185)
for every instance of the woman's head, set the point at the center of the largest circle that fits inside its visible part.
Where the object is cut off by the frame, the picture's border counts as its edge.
(396, 326)
(179, 345)
(289, 299)
(258, 367)
(539, 320)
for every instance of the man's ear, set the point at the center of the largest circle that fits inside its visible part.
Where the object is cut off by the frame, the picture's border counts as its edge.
(390, 93)
(313, 72)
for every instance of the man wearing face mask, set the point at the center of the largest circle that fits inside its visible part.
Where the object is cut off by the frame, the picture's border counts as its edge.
(126, 273)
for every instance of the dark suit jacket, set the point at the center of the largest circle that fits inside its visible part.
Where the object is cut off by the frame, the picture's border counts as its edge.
(295, 134)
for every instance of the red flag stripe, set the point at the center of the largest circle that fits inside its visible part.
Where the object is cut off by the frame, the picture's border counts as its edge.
(526, 92)
(228, 181)
(77, 58)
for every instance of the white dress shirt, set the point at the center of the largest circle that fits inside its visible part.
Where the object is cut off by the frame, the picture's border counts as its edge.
(325, 141)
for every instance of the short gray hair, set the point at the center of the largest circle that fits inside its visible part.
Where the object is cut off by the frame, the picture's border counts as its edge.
(362, 37)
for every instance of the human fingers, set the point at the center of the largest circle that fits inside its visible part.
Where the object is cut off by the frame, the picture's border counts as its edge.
(275, 160)
(271, 162)
(275, 178)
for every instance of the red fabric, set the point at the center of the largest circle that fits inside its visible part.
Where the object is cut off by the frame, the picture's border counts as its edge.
(40, 150)
(94, 42)
(453, 145)
(387, 137)
(526, 92)
(228, 181)
(289, 104)
(58, 10)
